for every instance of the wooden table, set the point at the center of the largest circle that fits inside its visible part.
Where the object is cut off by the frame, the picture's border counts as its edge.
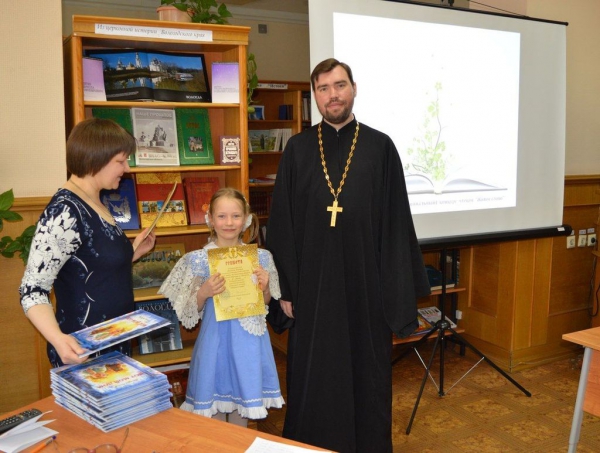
(173, 430)
(588, 392)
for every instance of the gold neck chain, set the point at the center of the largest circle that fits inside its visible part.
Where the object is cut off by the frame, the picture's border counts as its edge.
(334, 208)
(103, 209)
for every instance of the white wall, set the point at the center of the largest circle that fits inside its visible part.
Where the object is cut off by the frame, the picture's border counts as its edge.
(32, 147)
(583, 79)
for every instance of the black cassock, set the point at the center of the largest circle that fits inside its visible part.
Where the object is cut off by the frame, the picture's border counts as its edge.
(352, 285)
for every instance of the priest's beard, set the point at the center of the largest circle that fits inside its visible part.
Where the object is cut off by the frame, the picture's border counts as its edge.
(342, 116)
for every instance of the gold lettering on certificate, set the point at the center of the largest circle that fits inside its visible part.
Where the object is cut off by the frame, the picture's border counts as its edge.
(242, 296)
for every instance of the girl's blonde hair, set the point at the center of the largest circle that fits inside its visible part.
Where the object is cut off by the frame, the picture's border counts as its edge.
(235, 194)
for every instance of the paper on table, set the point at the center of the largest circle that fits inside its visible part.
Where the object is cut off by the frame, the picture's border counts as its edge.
(160, 213)
(25, 435)
(261, 445)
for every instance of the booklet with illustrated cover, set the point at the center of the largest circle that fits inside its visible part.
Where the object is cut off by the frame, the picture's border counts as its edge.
(116, 330)
(156, 135)
(111, 390)
(193, 134)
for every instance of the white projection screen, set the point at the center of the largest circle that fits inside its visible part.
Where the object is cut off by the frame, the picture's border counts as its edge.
(474, 102)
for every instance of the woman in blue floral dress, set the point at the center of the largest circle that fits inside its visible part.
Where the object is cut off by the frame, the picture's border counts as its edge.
(78, 249)
(232, 372)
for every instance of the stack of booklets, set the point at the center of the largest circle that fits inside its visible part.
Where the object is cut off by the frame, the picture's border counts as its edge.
(111, 391)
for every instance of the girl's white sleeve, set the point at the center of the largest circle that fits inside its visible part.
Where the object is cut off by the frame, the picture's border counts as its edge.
(181, 287)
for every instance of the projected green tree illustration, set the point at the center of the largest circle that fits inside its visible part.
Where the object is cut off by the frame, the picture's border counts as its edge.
(428, 155)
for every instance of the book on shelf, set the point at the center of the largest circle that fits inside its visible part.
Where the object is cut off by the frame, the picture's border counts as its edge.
(178, 378)
(111, 390)
(424, 325)
(152, 191)
(136, 74)
(260, 201)
(306, 106)
(435, 278)
(198, 192)
(93, 79)
(257, 112)
(225, 82)
(155, 131)
(113, 331)
(269, 139)
(167, 338)
(286, 112)
(122, 117)
(153, 268)
(122, 204)
(433, 315)
(193, 136)
(230, 149)
(259, 139)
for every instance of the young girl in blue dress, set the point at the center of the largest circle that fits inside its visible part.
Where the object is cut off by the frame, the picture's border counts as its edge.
(232, 371)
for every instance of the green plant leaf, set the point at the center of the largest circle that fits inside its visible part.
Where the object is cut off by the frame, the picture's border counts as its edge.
(6, 200)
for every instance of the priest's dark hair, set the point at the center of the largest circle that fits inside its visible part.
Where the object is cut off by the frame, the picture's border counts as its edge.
(93, 143)
(326, 66)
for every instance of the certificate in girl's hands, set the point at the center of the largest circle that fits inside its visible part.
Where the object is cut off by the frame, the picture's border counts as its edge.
(242, 296)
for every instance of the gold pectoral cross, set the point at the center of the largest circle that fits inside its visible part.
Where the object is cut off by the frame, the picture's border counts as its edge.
(334, 209)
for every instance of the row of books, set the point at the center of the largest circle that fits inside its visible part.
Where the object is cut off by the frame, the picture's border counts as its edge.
(268, 139)
(137, 203)
(165, 137)
(139, 75)
(261, 202)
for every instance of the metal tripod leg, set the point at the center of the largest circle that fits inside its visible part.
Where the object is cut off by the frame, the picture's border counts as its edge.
(427, 368)
(441, 327)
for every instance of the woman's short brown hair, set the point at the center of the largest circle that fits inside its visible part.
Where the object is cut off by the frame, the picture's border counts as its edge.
(93, 143)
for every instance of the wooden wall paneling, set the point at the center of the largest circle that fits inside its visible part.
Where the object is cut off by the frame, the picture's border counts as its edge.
(24, 367)
(541, 291)
(524, 287)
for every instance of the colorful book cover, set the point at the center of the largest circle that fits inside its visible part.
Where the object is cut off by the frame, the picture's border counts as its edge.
(167, 338)
(152, 269)
(259, 140)
(152, 190)
(230, 149)
(225, 82)
(119, 116)
(97, 389)
(424, 326)
(122, 204)
(116, 330)
(198, 192)
(160, 76)
(93, 80)
(194, 138)
(156, 135)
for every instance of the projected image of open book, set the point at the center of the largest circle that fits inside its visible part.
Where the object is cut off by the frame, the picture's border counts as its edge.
(422, 184)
